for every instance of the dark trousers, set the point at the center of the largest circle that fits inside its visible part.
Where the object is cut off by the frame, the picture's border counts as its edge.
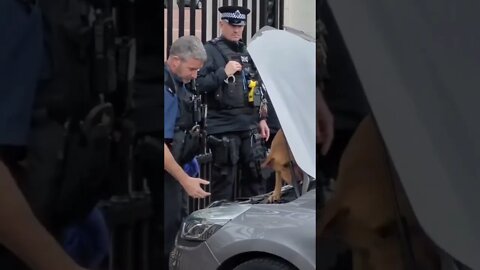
(166, 195)
(225, 172)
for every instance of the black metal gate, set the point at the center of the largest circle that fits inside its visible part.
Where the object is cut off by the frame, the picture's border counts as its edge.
(203, 22)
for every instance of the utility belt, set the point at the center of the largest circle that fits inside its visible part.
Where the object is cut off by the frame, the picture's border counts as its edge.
(226, 151)
(233, 110)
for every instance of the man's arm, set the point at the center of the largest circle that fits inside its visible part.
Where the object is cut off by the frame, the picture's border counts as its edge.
(23, 234)
(190, 184)
(211, 76)
(172, 167)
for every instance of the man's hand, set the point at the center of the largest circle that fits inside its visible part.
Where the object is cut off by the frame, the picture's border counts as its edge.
(324, 124)
(232, 67)
(264, 130)
(193, 188)
(190, 184)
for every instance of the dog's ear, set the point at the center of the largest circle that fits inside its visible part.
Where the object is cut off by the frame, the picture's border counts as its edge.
(268, 163)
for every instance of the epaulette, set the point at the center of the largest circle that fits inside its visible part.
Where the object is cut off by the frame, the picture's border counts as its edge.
(214, 41)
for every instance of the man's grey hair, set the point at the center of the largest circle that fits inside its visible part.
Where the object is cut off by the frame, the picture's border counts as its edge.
(188, 47)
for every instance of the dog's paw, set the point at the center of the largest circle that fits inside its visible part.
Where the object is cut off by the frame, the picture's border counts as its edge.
(274, 198)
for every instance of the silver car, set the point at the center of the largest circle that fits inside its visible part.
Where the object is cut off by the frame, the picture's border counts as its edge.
(243, 236)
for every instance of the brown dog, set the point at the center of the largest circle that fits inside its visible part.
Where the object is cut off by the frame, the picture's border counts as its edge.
(280, 160)
(363, 210)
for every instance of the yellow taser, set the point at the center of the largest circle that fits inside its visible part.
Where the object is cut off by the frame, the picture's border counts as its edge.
(252, 85)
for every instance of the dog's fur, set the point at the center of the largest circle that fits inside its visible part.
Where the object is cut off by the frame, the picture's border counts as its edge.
(279, 160)
(362, 212)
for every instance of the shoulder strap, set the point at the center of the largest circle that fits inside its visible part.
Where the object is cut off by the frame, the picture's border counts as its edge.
(169, 81)
(222, 48)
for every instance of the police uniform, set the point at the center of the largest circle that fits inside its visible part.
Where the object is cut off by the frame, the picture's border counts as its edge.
(21, 54)
(166, 191)
(172, 193)
(231, 115)
(21, 59)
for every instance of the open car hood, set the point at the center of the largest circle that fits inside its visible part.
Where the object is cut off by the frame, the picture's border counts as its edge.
(419, 64)
(285, 60)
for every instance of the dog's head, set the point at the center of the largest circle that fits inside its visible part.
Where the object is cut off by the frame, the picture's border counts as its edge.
(280, 159)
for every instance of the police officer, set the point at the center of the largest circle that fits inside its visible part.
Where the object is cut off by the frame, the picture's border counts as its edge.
(232, 117)
(20, 66)
(186, 57)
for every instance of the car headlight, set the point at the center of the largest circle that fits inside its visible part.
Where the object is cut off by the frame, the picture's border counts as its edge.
(202, 224)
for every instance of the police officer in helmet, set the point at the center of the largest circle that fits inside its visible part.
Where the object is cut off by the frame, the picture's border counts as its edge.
(228, 79)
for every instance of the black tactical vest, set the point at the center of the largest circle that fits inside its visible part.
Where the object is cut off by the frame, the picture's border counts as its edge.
(233, 94)
(185, 103)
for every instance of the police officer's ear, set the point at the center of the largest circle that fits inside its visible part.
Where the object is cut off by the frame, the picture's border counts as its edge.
(176, 60)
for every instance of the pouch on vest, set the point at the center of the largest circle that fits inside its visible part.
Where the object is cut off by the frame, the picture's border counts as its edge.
(233, 93)
(225, 150)
(186, 109)
(186, 145)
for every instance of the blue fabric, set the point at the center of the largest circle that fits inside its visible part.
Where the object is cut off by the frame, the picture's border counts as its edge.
(171, 105)
(170, 112)
(192, 168)
(21, 60)
(88, 241)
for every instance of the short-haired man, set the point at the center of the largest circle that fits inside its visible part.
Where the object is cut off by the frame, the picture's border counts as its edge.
(186, 57)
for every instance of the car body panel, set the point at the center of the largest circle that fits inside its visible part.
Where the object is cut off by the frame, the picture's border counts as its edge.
(283, 230)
